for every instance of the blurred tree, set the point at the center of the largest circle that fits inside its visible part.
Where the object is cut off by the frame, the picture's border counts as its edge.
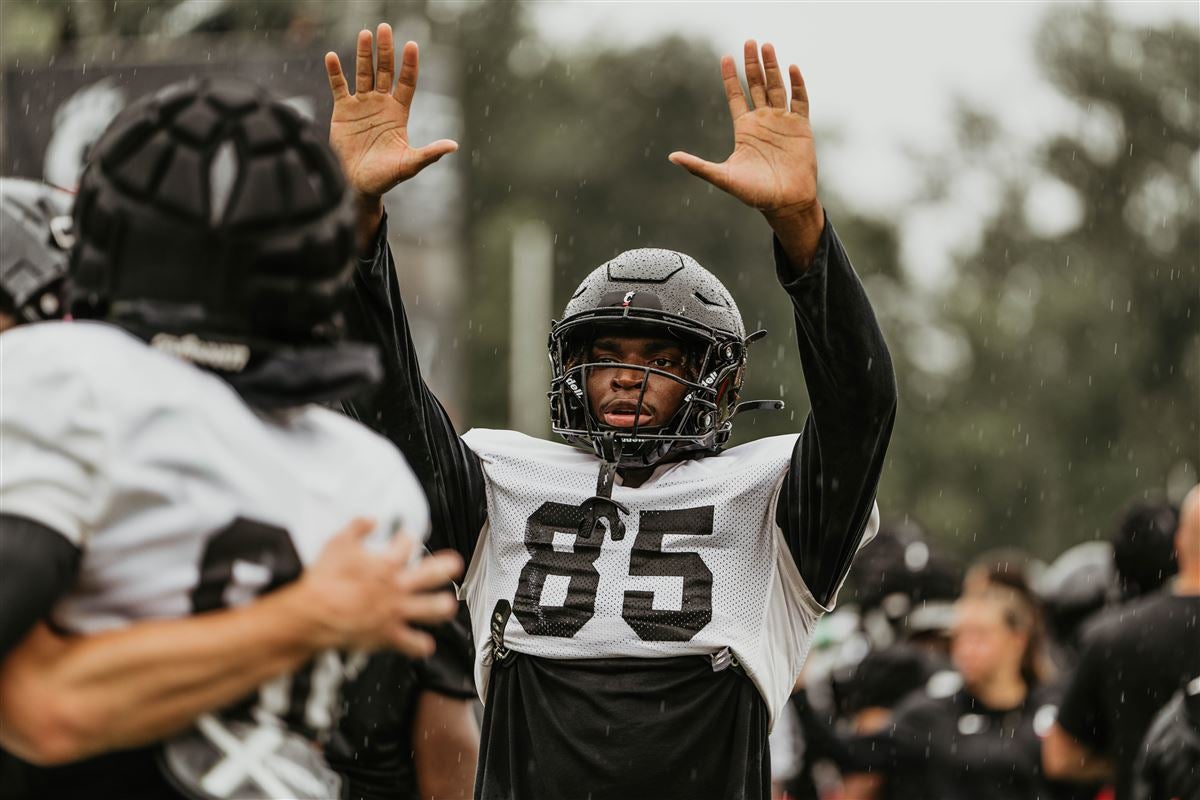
(1079, 387)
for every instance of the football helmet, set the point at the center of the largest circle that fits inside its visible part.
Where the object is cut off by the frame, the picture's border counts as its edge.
(215, 223)
(35, 227)
(669, 294)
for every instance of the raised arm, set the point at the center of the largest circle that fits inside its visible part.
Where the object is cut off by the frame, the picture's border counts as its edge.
(829, 493)
(369, 132)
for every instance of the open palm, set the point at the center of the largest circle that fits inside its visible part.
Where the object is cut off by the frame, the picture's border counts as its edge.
(369, 129)
(773, 166)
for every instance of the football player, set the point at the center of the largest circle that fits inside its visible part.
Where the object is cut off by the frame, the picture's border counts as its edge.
(643, 600)
(35, 226)
(167, 459)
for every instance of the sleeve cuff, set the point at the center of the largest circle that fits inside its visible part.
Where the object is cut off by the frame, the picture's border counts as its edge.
(816, 270)
(380, 243)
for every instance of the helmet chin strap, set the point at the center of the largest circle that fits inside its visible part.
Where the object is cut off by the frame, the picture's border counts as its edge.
(602, 506)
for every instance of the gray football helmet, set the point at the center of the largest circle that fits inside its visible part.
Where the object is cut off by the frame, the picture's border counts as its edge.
(35, 227)
(668, 293)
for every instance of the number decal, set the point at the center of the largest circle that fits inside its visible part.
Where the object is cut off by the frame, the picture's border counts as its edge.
(267, 559)
(244, 541)
(576, 565)
(648, 558)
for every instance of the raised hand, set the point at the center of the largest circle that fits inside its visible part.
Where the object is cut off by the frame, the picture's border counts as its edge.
(369, 129)
(361, 599)
(773, 166)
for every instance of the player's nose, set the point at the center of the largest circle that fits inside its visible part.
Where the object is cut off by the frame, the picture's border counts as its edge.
(627, 378)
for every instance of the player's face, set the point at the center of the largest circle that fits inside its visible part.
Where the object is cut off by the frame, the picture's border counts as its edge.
(983, 646)
(614, 391)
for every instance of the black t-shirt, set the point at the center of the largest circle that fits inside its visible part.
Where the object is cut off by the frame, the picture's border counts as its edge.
(622, 729)
(957, 748)
(1132, 662)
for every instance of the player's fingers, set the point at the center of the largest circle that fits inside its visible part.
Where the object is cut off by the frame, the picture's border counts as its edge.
(364, 69)
(400, 549)
(733, 88)
(754, 75)
(713, 173)
(433, 151)
(426, 609)
(337, 81)
(431, 573)
(412, 643)
(385, 68)
(777, 94)
(410, 68)
(357, 529)
(799, 91)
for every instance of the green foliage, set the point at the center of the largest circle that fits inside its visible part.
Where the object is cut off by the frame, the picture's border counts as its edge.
(1053, 377)
(1082, 385)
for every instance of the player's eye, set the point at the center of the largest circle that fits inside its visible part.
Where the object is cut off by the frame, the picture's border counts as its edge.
(663, 362)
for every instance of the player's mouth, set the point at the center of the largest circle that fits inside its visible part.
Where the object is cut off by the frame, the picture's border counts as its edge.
(624, 414)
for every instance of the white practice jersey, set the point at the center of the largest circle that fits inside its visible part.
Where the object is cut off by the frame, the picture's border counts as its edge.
(180, 496)
(701, 565)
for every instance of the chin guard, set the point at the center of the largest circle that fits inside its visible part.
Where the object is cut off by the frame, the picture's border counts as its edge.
(602, 506)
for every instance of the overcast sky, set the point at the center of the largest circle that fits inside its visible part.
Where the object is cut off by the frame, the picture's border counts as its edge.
(882, 77)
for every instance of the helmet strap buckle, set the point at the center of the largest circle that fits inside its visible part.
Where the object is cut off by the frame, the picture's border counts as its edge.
(602, 506)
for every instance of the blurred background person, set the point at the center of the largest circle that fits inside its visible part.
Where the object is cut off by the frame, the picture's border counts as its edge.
(973, 734)
(35, 231)
(1134, 659)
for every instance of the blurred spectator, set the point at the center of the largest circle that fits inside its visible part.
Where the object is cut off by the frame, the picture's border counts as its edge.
(1144, 548)
(1076, 586)
(1133, 661)
(1169, 766)
(974, 735)
(905, 588)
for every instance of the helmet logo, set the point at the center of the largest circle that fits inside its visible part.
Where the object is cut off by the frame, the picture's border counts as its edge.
(628, 298)
(226, 356)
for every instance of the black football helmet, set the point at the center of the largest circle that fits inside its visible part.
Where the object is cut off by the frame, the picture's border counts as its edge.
(35, 229)
(214, 222)
(670, 294)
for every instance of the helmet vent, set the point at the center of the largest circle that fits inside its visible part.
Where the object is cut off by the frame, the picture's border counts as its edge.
(708, 302)
(221, 177)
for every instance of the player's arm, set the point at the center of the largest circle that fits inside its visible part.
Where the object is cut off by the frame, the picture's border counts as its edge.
(445, 732)
(369, 132)
(1072, 749)
(67, 697)
(445, 745)
(828, 495)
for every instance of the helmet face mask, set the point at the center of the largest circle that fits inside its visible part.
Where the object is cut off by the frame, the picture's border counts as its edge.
(639, 293)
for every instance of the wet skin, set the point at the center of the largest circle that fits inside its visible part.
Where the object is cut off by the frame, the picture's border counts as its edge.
(614, 391)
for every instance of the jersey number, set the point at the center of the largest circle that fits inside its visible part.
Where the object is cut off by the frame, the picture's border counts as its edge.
(253, 558)
(575, 563)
